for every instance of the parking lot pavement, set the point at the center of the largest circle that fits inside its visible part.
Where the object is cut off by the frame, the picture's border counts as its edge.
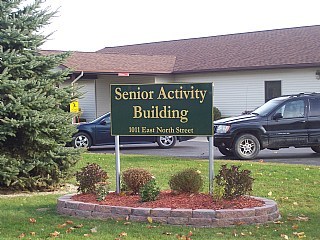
(198, 148)
(200, 139)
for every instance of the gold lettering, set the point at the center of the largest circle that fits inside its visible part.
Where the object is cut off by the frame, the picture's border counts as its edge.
(137, 112)
(171, 95)
(183, 116)
(133, 95)
(183, 94)
(203, 95)
(162, 94)
(118, 93)
(156, 113)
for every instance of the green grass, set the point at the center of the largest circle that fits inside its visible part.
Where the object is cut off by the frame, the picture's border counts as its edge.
(296, 189)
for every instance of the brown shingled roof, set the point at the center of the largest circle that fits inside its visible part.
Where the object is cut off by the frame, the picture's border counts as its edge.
(291, 47)
(91, 62)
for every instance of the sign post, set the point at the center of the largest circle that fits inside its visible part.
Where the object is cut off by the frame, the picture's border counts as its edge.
(117, 150)
(211, 165)
(162, 109)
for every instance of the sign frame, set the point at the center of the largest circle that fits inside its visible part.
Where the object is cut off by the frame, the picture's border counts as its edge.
(180, 109)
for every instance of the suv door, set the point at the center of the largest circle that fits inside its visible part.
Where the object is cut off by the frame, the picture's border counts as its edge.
(287, 126)
(314, 120)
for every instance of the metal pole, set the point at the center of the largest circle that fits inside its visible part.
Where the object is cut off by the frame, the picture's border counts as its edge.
(211, 166)
(117, 148)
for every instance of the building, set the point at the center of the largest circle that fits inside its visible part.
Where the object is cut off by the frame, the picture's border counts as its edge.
(247, 69)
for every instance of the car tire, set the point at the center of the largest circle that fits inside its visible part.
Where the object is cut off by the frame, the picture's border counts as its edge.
(246, 147)
(81, 140)
(226, 151)
(316, 149)
(166, 141)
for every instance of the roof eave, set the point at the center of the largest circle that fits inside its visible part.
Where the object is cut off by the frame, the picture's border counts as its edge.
(269, 67)
(116, 73)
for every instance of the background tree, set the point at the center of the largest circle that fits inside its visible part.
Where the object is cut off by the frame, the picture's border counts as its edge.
(34, 122)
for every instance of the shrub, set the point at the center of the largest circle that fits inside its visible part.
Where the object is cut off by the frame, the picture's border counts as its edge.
(245, 112)
(218, 192)
(89, 176)
(135, 178)
(149, 191)
(234, 182)
(186, 181)
(102, 190)
(216, 113)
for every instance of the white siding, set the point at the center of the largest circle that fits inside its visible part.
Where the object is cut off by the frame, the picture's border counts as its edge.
(235, 92)
(87, 102)
(103, 96)
(103, 89)
(165, 79)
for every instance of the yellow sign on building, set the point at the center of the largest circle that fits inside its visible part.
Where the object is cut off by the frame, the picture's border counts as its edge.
(74, 106)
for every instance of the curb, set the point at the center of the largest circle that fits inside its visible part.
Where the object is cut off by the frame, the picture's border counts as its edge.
(184, 217)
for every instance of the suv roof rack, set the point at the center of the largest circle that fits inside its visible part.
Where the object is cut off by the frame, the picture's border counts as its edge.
(302, 94)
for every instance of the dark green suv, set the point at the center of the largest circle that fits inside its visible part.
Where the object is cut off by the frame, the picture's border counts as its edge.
(286, 121)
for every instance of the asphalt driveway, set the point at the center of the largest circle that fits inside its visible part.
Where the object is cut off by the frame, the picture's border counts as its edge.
(199, 148)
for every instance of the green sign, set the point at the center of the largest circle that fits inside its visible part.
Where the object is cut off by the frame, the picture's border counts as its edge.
(162, 109)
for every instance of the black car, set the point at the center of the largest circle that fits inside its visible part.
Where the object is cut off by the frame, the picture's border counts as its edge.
(286, 121)
(98, 132)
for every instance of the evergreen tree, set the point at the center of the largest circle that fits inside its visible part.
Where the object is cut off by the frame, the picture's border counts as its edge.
(34, 122)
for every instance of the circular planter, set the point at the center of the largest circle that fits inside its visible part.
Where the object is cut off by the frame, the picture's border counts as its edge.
(196, 218)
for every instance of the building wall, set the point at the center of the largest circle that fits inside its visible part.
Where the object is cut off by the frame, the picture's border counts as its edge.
(235, 92)
(87, 102)
(165, 79)
(103, 88)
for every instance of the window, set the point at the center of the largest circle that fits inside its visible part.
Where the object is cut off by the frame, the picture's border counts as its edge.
(272, 89)
(314, 107)
(293, 109)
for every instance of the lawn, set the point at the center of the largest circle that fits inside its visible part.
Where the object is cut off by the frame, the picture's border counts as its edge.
(296, 189)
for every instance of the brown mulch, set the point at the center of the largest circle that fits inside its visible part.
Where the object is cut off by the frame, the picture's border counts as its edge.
(167, 199)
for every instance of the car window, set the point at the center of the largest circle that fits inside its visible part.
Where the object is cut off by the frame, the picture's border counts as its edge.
(293, 109)
(107, 119)
(314, 107)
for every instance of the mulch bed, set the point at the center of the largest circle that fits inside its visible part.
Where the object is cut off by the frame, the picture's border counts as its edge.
(167, 199)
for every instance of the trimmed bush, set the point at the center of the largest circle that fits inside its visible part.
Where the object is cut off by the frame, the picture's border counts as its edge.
(102, 190)
(149, 191)
(135, 178)
(186, 181)
(234, 182)
(89, 176)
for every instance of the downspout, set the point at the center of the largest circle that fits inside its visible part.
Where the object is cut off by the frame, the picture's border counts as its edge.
(77, 78)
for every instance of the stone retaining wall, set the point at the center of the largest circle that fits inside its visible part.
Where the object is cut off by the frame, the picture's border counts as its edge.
(197, 218)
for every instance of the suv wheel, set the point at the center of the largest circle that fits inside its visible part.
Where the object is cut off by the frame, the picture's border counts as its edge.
(226, 151)
(316, 149)
(166, 141)
(81, 140)
(246, 147)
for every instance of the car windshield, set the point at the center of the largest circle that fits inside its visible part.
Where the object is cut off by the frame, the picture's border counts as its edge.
(106, 116)
(269, 106)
